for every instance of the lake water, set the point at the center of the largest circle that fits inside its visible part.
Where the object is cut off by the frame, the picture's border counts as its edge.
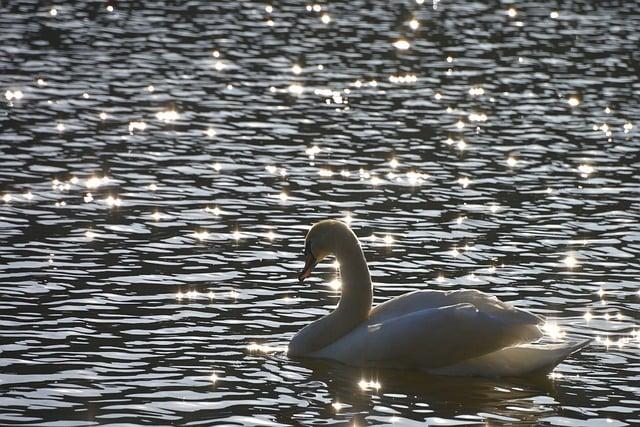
(161, 162)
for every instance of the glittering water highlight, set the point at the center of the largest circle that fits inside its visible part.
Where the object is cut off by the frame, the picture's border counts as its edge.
(161, 163)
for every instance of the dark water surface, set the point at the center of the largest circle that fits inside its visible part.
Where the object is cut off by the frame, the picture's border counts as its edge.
(117, 311)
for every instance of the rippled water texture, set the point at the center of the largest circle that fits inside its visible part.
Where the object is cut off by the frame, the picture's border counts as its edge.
(161, 162)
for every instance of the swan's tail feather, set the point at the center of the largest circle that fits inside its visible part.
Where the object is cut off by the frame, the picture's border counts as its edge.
(557, 355)
(515, 361)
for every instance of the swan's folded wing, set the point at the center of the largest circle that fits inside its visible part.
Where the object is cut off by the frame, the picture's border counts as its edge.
(432, 338)
(421, 300)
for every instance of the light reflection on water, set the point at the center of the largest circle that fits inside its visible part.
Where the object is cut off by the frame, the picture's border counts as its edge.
(160, 167)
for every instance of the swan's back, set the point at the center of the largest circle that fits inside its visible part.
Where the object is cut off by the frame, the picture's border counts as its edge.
(420, 300)
(431, 329)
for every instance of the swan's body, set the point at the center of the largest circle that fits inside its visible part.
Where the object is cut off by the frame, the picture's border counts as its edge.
(463, 332)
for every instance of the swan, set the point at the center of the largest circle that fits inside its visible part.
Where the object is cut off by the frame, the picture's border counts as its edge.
(463, 332)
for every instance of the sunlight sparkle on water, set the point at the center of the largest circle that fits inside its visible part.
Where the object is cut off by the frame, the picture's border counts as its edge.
(573, 101)
(477, 117)
(335, 284)
(512, 13)
(167, 116)
(464, 181)
(554, 15)
(570, 261)
(414, 24)
(216, 210)
(266, 349)
(216, 167)
(553, 330)
(296, 69)
(325, 18)
(201, 235)
(15, 94)
(401, 44)
(511, 162)
(210, 132)
(95, 182)
(416, 178)
(585, 170)
(555, 375)
(60, 127)
(137, 125)
(296, 89)
(312, 151)
(369, 385)
(113, 201)
(407, 78)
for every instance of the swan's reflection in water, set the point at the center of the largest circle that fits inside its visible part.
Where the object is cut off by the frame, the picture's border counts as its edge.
(390, 393)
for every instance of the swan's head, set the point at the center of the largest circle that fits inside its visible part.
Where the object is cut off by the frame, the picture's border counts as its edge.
(320, 242)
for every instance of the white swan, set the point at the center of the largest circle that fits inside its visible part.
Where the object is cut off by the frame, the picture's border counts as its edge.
(464, 332)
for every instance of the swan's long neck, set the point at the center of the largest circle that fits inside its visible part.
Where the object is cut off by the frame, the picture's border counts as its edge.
(355, 301)
(357, 294)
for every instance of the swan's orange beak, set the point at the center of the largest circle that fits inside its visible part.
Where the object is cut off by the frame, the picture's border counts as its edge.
(309, 263)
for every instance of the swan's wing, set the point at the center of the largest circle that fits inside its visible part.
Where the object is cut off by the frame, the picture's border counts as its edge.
(515, 361)
(430, 338)
(421, 300)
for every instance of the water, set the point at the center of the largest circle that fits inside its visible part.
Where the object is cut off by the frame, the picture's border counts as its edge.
(170, 302)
